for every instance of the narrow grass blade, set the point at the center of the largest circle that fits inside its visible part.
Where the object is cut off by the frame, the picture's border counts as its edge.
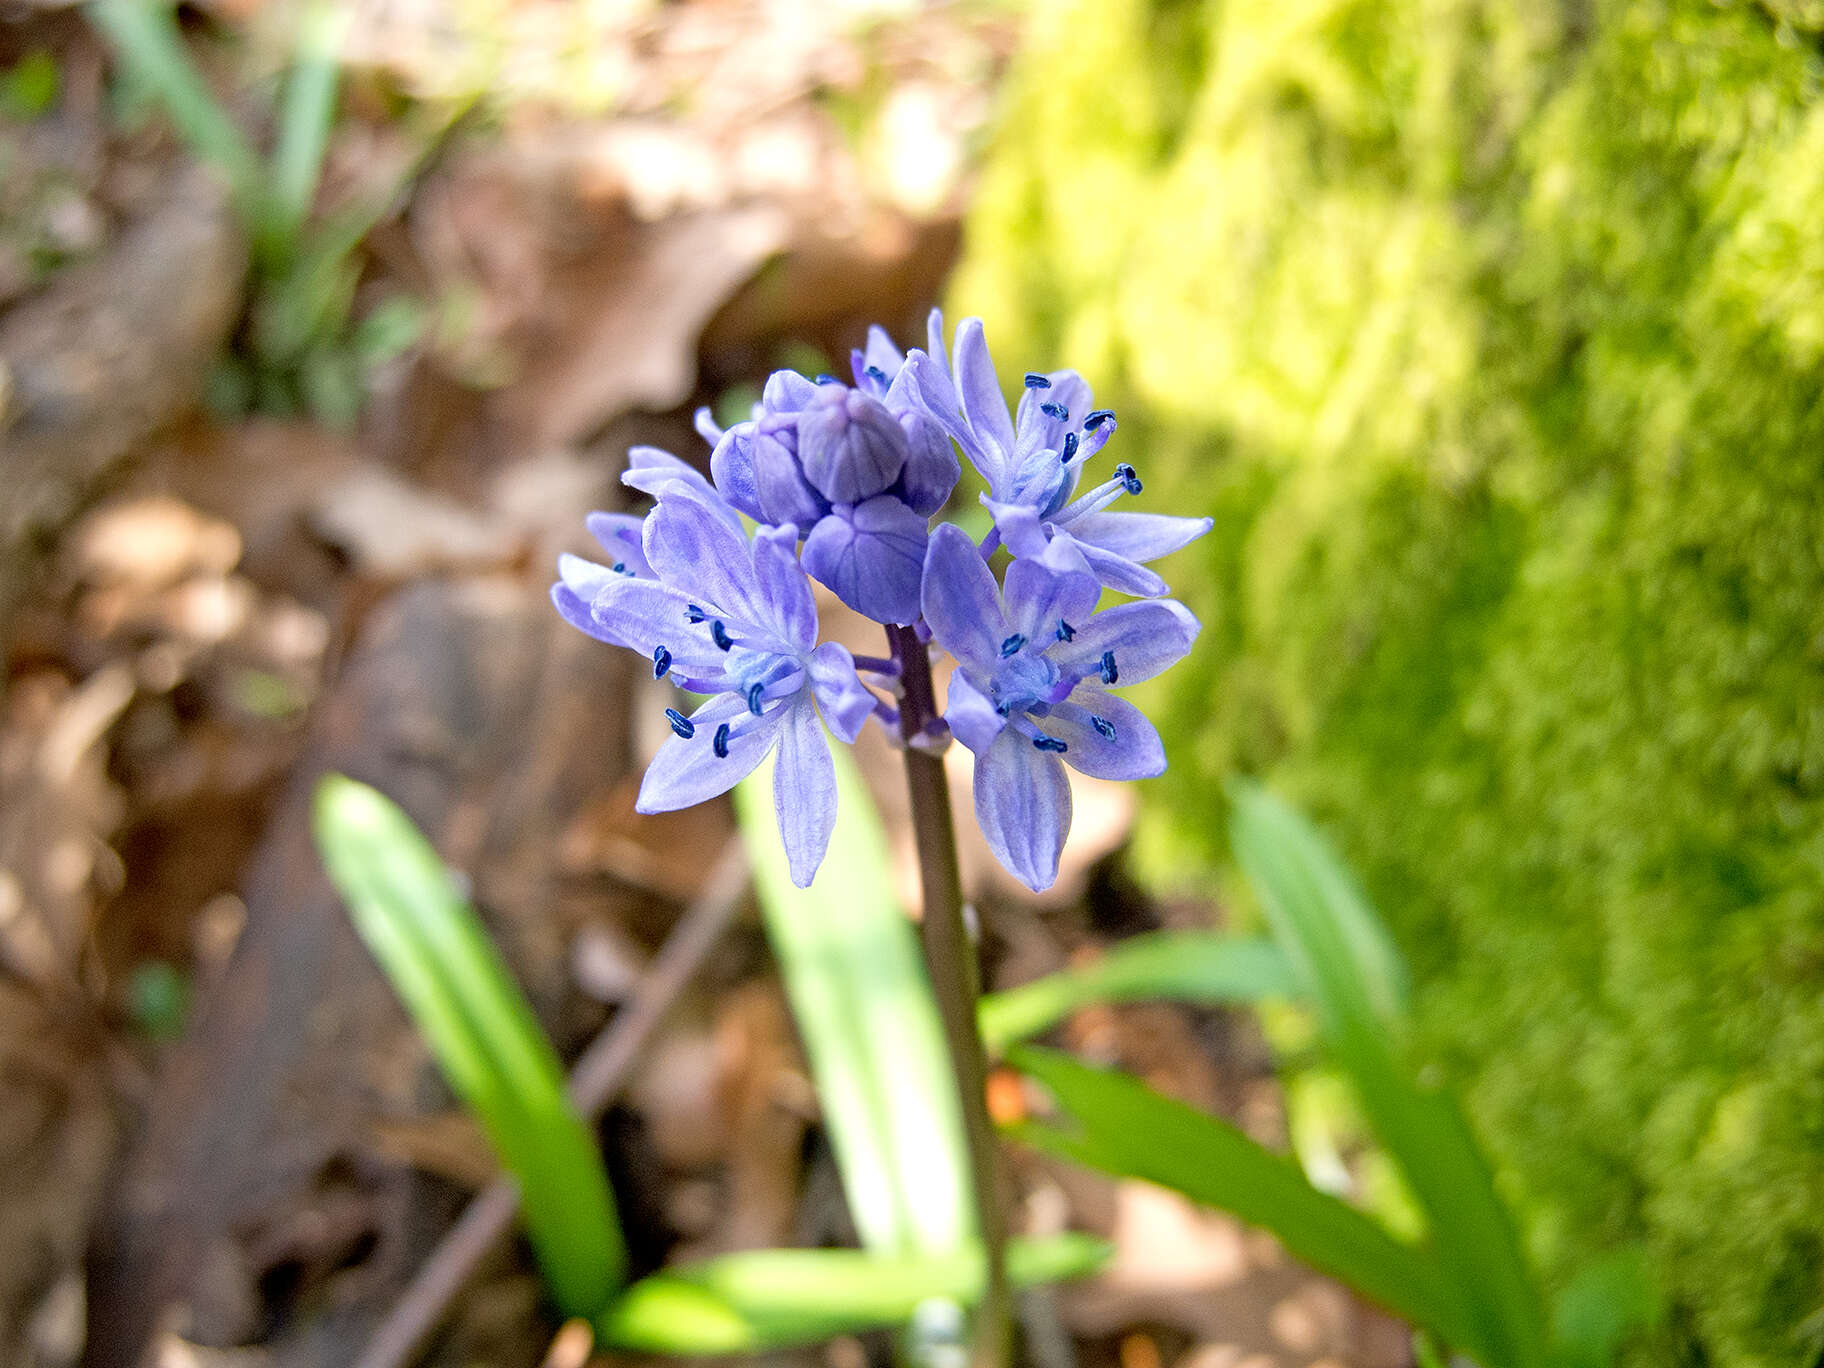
(1114, 1123)
(480, 1028)
(777, 1298)
(1348, 969)
(1203, 967)
(863, 1006)
(306, 116)
(144, 37)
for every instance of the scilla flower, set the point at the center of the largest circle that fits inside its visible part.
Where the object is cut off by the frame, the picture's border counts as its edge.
(732, 618)
(1033, 462)
(858, 472)
(1035, 662)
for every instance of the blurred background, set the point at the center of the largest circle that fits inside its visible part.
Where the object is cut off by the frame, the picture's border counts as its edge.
(1490, 332)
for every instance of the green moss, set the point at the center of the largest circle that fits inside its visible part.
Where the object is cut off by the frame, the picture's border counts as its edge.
(1492, 334)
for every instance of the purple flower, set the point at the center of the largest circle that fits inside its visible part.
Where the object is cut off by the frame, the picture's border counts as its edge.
(734, 619)
(1034, 666)
(857, 471)
(1033, 463)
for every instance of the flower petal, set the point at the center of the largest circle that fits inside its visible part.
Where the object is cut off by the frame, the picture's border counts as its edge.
(1125, 746)
(872, 556)
(1119, 573)
(575, 610)
(1144, 638)
(619, 536)
(784, 495)
(1138, 537)
(644, 614)
(702, 556)
(849, 447)
(652, 471)
(934, 338)
(1040, 596)
(961, 602)
(846, 702)
(804, 791)
(685, 773)
(1022, 531)
(882, 354)
(731, 464)
(784, 591)
(1022, 801)
(787, 391)
(984, 406)
(972, 718)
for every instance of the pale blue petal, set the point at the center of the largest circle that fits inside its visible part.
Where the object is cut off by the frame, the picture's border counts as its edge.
(784, 495)
(804, 790)
(652, 472)
(1022, 801)
(961, 602)
(1144, 638)
(575, 610)
(685, 773)
(645, 614)
(972, 718)
(731, 465)
(882, 354)
(706, 425)
(1040, 597)
(1138, 537)
(1037, 428)
(978, 389)
(934, 339)
(871, 557)
(619, 535)
(1022, 530)
(787, 391)
(1118, 572)
(845, 700)
(705, 558)
(1125, 747)
(927, 384)
(849, 447)
(783, 589)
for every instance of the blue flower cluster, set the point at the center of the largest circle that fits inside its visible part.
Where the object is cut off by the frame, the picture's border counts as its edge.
(842, 482)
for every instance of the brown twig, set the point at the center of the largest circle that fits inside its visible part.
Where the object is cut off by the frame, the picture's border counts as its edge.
(950, 956)
(597, 1076)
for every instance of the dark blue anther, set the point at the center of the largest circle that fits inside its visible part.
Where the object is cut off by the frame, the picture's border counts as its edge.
(661, 662)
(1013, 645)
(681, 724)
(876, 373)
(1065, 631)
(1070, 448)
(719, 634)
(1097, 418)
(1057, 411)
(1109, 673)
(753, 698)
(1050, 743)
(620, 568)
(719, 742)
(1036, 381)
(693, 613)
(1103, 726)
(1129, 481)
(1004, 707)
(827, 379)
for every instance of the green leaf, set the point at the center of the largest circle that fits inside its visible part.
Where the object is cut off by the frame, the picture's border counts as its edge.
(145, 39)
(776, 1298)
(1604, 1304)
(864, 1008)
(1348, 969)
(306, 116)
(1114, 1123)
(479, 1026)
(1204, 967)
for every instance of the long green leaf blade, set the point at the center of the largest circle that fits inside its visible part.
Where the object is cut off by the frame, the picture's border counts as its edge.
(1349, 970)
(864, 1008)
(482, 1031)
(307, 114)
(1203, 967)
(777, 1298)
(1114, 1123)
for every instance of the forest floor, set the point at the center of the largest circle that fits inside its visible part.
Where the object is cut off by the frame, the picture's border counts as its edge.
(221, 1144)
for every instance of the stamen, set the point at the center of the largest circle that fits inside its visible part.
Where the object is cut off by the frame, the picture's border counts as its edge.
(1065, 631)
(620, 568)
(719, 742)
(681, 724)
(827, 379)
(1103, 726)
(719, 634)
(1049, 743)
(1109, 673)
(694, 614)
(1057, 411)
(661, 662)
(1097, 418)
(753, 698)
(1129, 481)
(1013, 645)
(1069, 453)
(1036, 381)
(876, 373)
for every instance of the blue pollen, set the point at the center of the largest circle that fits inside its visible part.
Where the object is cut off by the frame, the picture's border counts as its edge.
(719, 634)
(1104, 728)
(661, 662)
(719, 742)
(1129, 481)
(827, 379)
(1065, 631)
(1036, 381)
(753, 698)
(875, 373)
(681, 724)
(1050, 743)
(1066, 456)
(1057, 411)
(1109, 673)
(620, 568)
(1097, 418)
(694, 614)
(1012, 646)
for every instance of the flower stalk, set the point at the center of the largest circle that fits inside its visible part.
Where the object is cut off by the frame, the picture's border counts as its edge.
(955, 981)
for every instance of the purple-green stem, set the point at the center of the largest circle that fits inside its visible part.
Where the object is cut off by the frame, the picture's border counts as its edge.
(955, 980)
